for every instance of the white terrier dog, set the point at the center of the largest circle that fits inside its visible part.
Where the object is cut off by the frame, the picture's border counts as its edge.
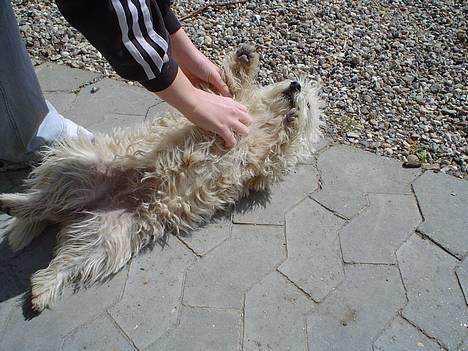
(123, 191)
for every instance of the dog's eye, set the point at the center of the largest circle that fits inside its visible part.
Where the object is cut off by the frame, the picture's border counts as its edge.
(308, 106)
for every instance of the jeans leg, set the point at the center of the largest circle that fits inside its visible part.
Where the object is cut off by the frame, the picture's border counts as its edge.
(22, 105)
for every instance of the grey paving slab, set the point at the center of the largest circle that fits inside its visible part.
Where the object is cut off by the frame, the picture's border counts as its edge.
(221, 278)
(152, 297)
(203, 330)
(270, 207)
(356, 312)
(462, 275)
(376, 234)
(110, 121)
(314, 260)
(444, 205)
(347, 173)
(99, 334)
(402, 336)
(113, 97)
(62, 101)
(45, 331)
(208, 237)
(275, 314)
(54, 77)
(435, 300)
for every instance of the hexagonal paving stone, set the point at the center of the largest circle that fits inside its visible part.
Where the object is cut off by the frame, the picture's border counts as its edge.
(348, 173)
(314, 260)
(152, 296)
(270, 207)
(275, 316)
(402, 336)
(208, 237)
(220, 278)
(436, 304)
(354, 314)
(203, 330)
(113, 97)
(54, 77)
(444, 204)
(45, 331)
(100, 334)
(375, 235)
(462, 275)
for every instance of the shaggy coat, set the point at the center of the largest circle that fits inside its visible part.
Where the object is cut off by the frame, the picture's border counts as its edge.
(123, 191)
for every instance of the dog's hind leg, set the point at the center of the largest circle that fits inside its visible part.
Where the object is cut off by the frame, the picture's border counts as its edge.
(240, 69)
(89, 250)
(21, 232)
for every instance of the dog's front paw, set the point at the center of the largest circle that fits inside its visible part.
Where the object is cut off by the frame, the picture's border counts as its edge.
(246, 54)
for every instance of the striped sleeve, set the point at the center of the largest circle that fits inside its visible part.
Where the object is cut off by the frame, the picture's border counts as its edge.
(131, 35)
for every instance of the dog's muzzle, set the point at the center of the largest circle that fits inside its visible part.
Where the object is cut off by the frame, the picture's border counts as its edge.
(293, 89)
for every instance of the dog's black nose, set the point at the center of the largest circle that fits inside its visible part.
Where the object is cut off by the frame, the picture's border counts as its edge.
(295, 87)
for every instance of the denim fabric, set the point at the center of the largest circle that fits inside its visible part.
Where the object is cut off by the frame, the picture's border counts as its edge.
(22, 105)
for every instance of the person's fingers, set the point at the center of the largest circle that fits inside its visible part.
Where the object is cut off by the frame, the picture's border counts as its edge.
(245, 118)
(240, 106)
(241, 128)
(228, 136)
(220, 85)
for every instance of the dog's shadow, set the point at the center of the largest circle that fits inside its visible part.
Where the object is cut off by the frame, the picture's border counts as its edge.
(16, 269)
(256, 199)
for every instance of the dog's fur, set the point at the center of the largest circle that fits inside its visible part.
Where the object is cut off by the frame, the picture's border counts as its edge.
(123, 191)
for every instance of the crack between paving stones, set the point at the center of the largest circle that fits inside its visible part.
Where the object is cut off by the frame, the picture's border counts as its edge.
(461, 286)
(423, 332)
(368, 263)
(188, 247)
(242, 340)
(426, 237)
(417, 203)
(299, 288)
(91, 82)
(328, 209)
(307, 332)
(122, 332)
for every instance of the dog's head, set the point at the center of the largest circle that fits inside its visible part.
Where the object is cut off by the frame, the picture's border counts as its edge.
(294, 111)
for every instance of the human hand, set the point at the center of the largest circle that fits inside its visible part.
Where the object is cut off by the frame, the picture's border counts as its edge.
(219, 114)
(201, 72)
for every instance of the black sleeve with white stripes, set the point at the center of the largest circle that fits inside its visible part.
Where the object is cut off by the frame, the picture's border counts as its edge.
(133, 35)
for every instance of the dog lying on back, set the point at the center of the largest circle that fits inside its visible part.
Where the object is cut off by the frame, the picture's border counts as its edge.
(124, 191)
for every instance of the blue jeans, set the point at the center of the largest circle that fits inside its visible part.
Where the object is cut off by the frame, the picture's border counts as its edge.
(27, 121)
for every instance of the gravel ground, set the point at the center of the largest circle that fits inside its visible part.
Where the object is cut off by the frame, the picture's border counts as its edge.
(392, 71)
